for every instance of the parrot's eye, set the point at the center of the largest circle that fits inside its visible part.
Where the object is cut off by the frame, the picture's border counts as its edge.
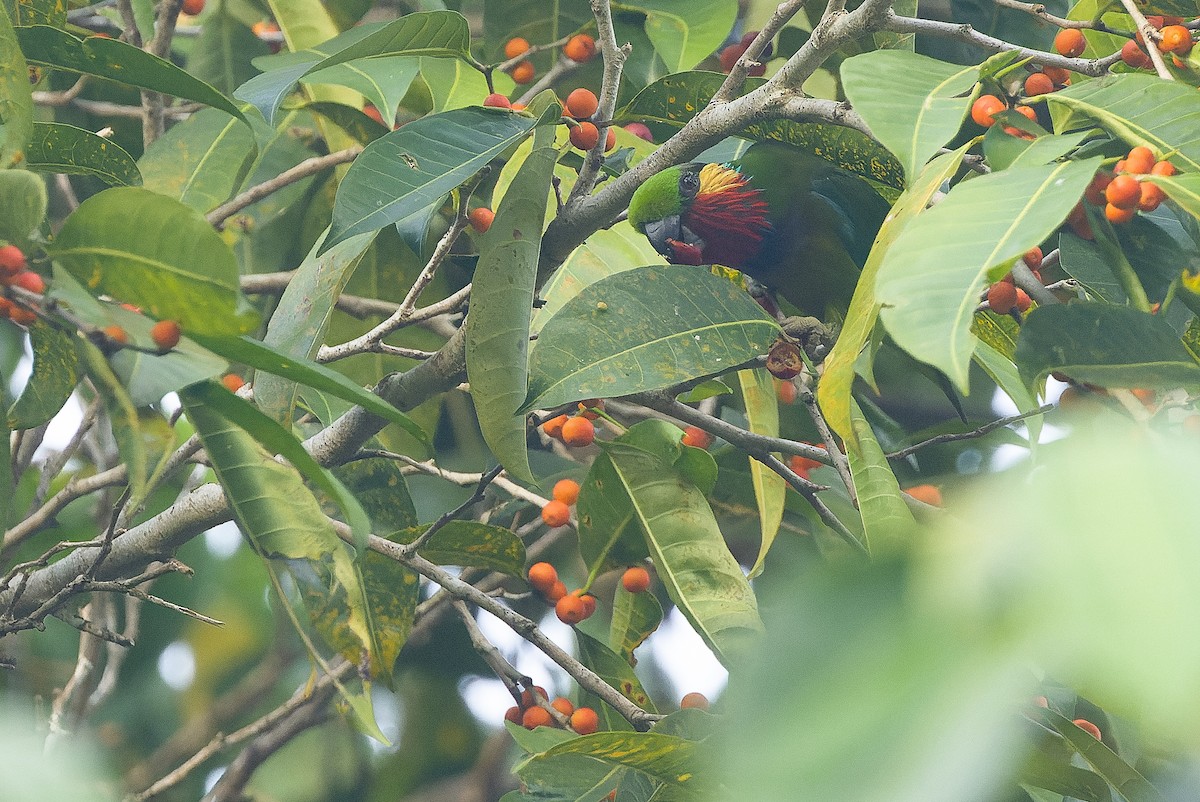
(689, 184)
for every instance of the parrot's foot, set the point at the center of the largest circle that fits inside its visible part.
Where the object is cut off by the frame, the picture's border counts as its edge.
(812, 335)
(763, 295)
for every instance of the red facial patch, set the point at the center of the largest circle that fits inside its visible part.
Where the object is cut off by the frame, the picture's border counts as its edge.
(729, 215)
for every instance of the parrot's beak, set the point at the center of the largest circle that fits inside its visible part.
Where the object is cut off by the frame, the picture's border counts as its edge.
(662, 232)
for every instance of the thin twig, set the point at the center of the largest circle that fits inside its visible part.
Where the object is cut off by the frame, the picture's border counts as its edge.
(966, 33)
(737, 76)
(1038, 10)
(302, 170)
(403, 314)
(614, 56)
(446, 517)
(974, 433)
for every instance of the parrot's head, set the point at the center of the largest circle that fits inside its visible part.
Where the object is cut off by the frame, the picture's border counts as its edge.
(697, 214)
(657, 210)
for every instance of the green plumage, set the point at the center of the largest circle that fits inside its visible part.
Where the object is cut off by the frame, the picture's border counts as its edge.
(793, 221)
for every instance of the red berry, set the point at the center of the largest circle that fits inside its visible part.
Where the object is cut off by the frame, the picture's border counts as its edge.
(1176, 39)
(930, 494)
(523, 73)
(610, 139)
(513, 714)
(373, 113)
(1140, 160)
(566, 491)
(1123, 192)
(1118, 215)
(515, 47)
(232, 382)
(694, 700)
(556, 592)
(116, 334)
(542, 576)
(582, 103)
(1088, 727)
(585, 721)
(580, 48)
(1023, 301)
(696, 437)
(585, 136)
(29, 280)
(481, 218)
(578, 432)
(165, 334)
(497, 101)
(570, 609)
(12, 260)
(984, 109)
(1039, 83)
(1133, 55)
(1002, 297)
(192, 7)
(564, 706)
(1033, 258)
(1070, 42)
(555, 513)
(536, 717)
(640, 130)
(636, 579)
(554, 426)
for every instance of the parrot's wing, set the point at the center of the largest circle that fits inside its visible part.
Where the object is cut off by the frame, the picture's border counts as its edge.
(857, 206)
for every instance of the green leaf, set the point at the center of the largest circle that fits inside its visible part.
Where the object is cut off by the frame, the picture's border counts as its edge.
(55, 374)
(1004, 373)
(126, 425)
(665, 758)
(848, 662)
(645, 329)
(1003, 151)
(675, 99)
(762, 417)
(684, 36)
(283, 520)
(605, 253)
(635, 617)
(151, 251)
(278, 440)
(224, 50)
(62, 148)
(1098, 343)
(616, 671)
(837, 381)
(691, 558)
(1139, 109)
(22, 205)
(1124, 779)
(200, 161)
(917, 110)
(1183, 189)
(1048, 766)
(888, 525)
(930, 279)
(502, 294)
(453, 84)
(262, 357)
(470, 544)
(429, 33)
(16, 98)
(415, 166)
(117, 61)
(302, 317)
(394, 45)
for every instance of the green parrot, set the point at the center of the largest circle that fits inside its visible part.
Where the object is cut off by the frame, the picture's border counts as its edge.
(792, 221)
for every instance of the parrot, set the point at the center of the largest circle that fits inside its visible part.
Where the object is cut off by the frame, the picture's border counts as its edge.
(792, 221)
